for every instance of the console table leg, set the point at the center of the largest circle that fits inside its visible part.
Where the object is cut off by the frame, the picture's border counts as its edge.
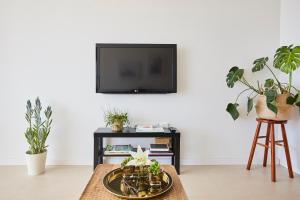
(96, 151)
(173, 147)
(101, 150)
(177, 153)
(173, 160)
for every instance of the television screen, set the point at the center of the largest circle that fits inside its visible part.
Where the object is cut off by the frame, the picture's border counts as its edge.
(136, 68)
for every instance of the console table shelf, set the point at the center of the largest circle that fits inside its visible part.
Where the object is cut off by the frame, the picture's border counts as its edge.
(167, 154)
(101, 133)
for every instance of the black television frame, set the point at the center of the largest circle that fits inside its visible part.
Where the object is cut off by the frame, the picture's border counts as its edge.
(137, 91)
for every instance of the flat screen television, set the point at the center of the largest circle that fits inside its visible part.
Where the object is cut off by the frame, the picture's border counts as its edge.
(136, 68)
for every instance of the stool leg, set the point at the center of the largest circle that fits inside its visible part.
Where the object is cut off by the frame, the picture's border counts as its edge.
(273, 166)
(253, 145)
(267, 144)
(287, 152)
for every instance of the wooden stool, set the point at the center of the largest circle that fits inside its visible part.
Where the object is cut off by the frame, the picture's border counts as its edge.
(271, 135)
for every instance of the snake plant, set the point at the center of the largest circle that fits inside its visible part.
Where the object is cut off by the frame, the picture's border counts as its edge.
(38, 130)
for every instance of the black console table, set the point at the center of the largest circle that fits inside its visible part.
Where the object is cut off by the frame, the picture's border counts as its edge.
(101, 133)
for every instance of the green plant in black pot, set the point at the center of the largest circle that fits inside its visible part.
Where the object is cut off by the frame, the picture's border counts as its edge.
(274, 98)
(116, 119)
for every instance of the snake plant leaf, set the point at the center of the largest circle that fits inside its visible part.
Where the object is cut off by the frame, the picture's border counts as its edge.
(232, 110)
(272, 106)
(249, 105)
(269, 83)
(233, 76)
(287, 58)
(259, 64)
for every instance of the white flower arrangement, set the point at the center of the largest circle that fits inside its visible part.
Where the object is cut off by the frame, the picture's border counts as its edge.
(140, 158)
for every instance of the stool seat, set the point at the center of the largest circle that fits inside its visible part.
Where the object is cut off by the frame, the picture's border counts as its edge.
(270, 142)
(271, 121)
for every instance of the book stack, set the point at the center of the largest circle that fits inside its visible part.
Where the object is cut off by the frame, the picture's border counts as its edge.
(118, 149)
(148, 128)
(159, 148)
(163, 140)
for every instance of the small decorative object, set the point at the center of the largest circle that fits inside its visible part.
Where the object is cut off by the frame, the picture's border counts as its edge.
(116, 119)
(155, 176)
(275, 99)
(36, 135)
(138, 178)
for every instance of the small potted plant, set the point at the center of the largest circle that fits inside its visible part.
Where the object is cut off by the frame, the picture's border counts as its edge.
(116, 119)
(155, 172)
(36, 135)
(275, 99)
(155, 176)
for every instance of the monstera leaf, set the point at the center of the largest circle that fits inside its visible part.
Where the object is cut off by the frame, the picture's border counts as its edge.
(294, 100)
(272, 106)
(290, 100)
(287, 58)
(271, 95)
(232, 109)
(233, 76)
(249, 105)
(297, 99)
(259, 64)
(269, 83)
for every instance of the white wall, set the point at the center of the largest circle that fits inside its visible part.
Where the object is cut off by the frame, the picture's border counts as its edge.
(48, 50)
(290, 34)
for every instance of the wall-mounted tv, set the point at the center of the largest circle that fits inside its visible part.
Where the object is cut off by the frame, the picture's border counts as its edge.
(136, 68)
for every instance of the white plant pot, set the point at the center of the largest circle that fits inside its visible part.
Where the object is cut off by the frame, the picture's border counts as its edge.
(36, 163)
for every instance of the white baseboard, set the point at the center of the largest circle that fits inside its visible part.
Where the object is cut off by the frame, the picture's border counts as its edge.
(209, 160)
(296, 171)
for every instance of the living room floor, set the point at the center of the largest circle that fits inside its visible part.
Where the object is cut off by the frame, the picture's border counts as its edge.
(200, 182)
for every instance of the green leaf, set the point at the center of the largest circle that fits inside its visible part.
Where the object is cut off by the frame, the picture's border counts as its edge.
(272, 106)
(297, 99)
(232, 109)
(233, 76)
(269, 83)
(291, 100)
(287, 58)
(259, 64)
(271, 95)
(249, 105)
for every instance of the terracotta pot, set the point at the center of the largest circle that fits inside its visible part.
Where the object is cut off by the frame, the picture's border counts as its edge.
(284, 110)
(36, 163)
(117, 126)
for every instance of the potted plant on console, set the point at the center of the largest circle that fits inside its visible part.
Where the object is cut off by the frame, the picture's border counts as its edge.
(275, 99)
(36, 135)
(116, 119)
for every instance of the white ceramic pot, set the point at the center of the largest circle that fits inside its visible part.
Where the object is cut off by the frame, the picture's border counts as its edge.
(284, 110)
(36, 163)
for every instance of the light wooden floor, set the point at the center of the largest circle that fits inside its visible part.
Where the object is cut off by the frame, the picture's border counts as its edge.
(200, 182)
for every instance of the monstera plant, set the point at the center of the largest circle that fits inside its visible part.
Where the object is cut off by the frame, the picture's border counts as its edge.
(274, 98)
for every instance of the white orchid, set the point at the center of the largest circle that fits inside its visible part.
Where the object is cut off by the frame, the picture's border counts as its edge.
(140, 158)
